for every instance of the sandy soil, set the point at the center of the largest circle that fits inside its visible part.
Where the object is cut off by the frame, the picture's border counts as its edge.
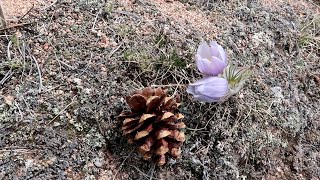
(15, 8)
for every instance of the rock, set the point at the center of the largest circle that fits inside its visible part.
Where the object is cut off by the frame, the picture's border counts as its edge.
(9, 100)
(77, 81)
(277, 91)
(29, 163)
(98, 162)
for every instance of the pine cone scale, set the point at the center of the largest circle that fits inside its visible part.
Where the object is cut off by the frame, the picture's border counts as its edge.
(152, 103)
(143, 133)
(137, 102)
(145, 117)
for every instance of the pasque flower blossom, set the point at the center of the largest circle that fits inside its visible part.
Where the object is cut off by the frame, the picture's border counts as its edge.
(218, 89)
(221, 80)
(209, 89)
(211, 59)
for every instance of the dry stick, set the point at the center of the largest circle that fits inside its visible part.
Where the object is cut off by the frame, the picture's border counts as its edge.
(138, 76)
(3, 19)
(176, 89)
(178, 82)
(115, 50)
(169, 85)
(38, 68)
(95, 19)
(155, 79)
(9, 73)
(6, 76)
(16, 25)
(144, 174)
(236, 122)
(21, 115)
(50, 5)
(72, 101)
(150, 170)
(153, 168)
(8, 50)
(123, 163)
(16, 150)
(39, 72)
(23, 53)
(26, 13)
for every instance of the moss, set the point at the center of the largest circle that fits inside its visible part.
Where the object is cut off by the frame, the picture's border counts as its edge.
(305, 40)
(177, 61)
(142, 58)
(161, 40)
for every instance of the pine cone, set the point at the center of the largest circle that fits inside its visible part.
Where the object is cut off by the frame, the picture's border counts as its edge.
(154, 124)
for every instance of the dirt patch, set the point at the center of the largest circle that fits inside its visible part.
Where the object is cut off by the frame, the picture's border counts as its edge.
(17, 8)
(185, 15)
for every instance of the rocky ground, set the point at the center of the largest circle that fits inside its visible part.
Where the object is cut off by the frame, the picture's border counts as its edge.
(65, 71)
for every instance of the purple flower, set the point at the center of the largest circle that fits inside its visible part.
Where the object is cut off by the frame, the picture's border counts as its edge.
(209, 89)
(211, 60)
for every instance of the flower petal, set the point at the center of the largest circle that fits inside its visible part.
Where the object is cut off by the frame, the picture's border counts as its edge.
(214, 88)
(216, 67)
(211, 67)
(219, 51)
(202, 81)
(203, 64)
(214, 49)
(206, 98)
(204, 50)
(209, 89)
(191, 89)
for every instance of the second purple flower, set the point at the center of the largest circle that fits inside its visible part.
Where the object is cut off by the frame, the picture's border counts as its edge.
(209, 89)
(211, 59)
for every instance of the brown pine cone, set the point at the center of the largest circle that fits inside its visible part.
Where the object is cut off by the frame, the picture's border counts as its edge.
(154, 124)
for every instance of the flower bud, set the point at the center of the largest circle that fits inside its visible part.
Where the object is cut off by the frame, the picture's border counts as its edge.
(211, 60)
(209, 89)
(219, 89)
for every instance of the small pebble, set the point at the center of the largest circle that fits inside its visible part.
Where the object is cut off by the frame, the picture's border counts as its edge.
(98, 162)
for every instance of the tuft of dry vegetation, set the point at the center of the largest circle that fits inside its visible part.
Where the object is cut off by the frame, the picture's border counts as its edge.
(64, 73)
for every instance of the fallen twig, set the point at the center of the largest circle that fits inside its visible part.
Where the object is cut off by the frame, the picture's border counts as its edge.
(21, 115)
(144, 174)
(152, 171)
(6, 76)
(26, 13)
(125, 159)
(169, 85)
(23, 54)
(50, 5)
(9, 73)
(72, 101)
(96, 18)
(114, 50)
(16, 25)
(2, 18)
(38, 68)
